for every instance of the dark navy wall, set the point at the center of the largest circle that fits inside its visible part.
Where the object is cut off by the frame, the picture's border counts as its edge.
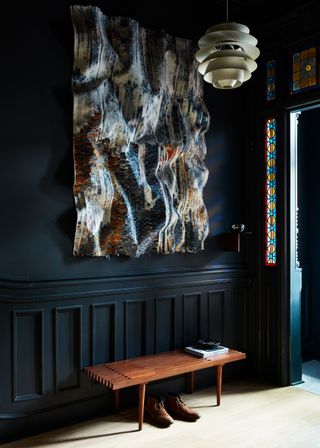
(37, 167)
(59, 313)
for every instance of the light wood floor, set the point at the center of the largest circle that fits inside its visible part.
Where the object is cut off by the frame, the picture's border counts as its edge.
(251, 415)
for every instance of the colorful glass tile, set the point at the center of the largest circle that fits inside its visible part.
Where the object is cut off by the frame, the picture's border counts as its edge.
(271, 80)
(304, 70)
(270, 193)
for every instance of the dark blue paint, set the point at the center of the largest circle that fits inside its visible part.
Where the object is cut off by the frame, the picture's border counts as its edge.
(38, 223)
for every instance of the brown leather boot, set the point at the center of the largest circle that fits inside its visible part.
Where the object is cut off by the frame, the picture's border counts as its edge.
(155, 409)
(177, 408)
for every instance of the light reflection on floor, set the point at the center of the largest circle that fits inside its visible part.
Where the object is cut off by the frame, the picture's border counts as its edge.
(311, 376)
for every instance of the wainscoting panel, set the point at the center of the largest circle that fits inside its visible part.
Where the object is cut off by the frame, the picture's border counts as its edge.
(165, 318)
(103, 335)
(46, 346)
(191, 317)
(216, 315)
(68, 347)
(27, 354)
(235, 319)
(269, 325)
(136, 328)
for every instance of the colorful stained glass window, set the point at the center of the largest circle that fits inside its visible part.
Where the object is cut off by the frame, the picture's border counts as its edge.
(304, 70)
(271, 80)
(270, 193)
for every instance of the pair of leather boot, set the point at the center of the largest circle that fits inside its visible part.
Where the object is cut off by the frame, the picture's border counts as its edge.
(162, 411)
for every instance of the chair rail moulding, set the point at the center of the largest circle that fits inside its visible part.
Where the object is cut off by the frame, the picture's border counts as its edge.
(139, 147)
(86, 288)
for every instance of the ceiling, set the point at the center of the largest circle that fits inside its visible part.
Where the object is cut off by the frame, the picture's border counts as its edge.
(192, 21)
(257, 13)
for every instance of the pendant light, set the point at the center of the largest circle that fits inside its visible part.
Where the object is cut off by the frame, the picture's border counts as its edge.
(227, 54)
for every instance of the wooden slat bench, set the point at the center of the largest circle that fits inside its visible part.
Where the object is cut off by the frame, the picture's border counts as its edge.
(141, 370)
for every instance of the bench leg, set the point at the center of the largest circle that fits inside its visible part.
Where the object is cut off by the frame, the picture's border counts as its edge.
(142, 392)
(190, 382)
(219, 384)
(117, 400)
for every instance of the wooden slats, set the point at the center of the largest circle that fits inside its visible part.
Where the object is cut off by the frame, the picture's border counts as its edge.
(143, 369)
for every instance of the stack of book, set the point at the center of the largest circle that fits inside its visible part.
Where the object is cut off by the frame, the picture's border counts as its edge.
(206, 350)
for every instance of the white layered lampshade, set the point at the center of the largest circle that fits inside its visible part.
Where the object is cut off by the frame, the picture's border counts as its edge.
(227, 55)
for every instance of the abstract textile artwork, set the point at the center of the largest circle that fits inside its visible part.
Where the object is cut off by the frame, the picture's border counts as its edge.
(139, 147)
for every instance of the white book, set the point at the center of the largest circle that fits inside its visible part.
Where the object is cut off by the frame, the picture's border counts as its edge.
(218, 350)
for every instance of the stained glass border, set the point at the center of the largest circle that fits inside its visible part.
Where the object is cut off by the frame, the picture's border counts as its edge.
(270, 192)
(271, 80)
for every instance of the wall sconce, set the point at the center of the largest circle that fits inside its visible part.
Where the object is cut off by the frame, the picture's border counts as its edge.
(227, 54)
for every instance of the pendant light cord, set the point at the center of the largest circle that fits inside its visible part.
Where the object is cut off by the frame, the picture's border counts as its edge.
(227, 10)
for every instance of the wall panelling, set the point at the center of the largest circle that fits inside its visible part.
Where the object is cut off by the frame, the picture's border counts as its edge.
(68, 347)
(28, 348)
(53, 340)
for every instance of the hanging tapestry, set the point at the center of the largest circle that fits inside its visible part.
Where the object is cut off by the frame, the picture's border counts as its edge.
(139, 148)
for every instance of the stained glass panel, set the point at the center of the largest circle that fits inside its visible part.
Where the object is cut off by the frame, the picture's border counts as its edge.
(271, 80)
(270, 193)
(304, 70)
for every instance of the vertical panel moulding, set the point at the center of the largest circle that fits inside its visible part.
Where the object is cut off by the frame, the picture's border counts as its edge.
(203, 316)
(107, 313)
(245, 311)
(251, 322)
(216, 315)
(68, 347)
(191, 317)
(135, 327)
(270, 324)
(28, 354)
(165, 323)
(239, 317)
(228, 318)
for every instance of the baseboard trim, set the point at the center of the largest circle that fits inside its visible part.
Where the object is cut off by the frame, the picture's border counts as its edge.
(21, 415)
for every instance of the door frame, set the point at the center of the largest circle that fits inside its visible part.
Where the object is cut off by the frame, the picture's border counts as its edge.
(291, 362)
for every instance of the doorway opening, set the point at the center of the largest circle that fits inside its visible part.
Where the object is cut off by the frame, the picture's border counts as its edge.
(304, 262)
